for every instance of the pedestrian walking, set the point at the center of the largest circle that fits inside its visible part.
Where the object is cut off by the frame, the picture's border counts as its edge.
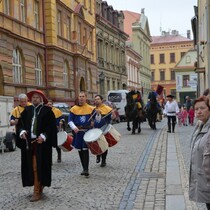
(59, 123)
(37, 134)
(103, 117)
(179, 116)
(171, 109)
(184, 116)
(191, 114)
(80, 122)
(199, 175)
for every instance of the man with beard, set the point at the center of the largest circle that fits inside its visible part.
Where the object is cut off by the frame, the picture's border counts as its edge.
(103, 117)
(37, 134)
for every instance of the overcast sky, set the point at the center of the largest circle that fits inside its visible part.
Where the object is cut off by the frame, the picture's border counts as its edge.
(165, 14)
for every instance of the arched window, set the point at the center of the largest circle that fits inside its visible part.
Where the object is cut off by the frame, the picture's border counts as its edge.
(65, 74)
(17, 66)
(38, 71)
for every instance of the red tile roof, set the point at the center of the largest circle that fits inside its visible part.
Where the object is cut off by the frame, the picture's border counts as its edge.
(169, 39)
(130, 18)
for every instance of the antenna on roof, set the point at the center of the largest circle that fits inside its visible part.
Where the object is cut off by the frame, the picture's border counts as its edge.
(160, 25)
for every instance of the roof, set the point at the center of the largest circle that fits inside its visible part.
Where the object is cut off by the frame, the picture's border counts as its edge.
(169, 39)
(130, 18)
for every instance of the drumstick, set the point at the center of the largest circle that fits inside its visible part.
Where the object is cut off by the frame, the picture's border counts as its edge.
(107, 115)
(92, 115)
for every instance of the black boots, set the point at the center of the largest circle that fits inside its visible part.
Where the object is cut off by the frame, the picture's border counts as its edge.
(98, 158)
(84, 158)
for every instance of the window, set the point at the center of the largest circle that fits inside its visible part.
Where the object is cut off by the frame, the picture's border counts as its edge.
(85, 36)
(79, 33)
(188, 59)
(172, 58)
(68, 28)
(173, 92)
(38, 71)
(152, 76)
(185, 80)
(59, 22)
(22, 11)
(7, 7)
(182, 54)
(162, 75)
(17, 66)
(162, 58)
(36, 14)
(65, 75)
(91, 41)
(172, 75)
(152, 59)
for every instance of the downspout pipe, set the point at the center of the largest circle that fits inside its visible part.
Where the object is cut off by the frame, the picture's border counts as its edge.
(45, 49)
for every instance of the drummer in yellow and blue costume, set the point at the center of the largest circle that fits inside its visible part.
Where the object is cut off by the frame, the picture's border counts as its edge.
(103, 117)
(80, 122)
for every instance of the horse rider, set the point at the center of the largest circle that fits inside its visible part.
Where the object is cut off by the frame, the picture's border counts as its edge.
(136, 95)
(103, 117)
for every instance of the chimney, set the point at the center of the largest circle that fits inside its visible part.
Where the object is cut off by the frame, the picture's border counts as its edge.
(142, 10)
(188, 34)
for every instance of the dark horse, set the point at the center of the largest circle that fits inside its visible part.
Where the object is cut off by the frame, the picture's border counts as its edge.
(151, 112)
(133, 114)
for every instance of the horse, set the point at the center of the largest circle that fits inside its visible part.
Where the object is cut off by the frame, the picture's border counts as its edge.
(133, 114)
(151, 112)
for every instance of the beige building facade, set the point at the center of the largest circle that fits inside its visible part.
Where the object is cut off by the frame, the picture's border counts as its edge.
(48, 45)
(111, 50)
(166, 52)
(137, 26)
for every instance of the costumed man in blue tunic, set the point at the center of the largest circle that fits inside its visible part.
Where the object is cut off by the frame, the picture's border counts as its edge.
(103, 116)
(80, 122)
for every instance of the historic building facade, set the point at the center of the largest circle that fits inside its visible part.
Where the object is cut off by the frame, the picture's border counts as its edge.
(111, 40)
(185, 76)
(166, 52)
(201, 30)
(49, 45)
(137, 26)
(133, 60)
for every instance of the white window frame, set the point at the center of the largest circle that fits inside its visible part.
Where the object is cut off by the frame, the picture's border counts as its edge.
(38, 71)
(22, 11)
(17, 66)
(36, 14)
(7, 7)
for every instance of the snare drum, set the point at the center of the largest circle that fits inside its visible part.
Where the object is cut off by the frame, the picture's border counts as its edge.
(64, 141)
(96, 141)
(111, 134)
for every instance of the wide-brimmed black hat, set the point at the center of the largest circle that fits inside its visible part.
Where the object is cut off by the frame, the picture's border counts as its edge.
(170, 96)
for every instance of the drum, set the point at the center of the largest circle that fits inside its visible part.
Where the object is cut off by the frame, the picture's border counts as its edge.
(64, 141)
(111, 134)
(96, 141)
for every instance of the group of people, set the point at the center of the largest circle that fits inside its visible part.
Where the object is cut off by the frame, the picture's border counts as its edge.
(37, 124)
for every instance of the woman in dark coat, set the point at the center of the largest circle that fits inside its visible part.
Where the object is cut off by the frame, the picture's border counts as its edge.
(37, 134)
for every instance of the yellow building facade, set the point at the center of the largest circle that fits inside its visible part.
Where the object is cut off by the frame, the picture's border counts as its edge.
(49, 45)
(166, 51)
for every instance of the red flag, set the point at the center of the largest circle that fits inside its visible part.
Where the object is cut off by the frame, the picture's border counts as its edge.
(159, 89)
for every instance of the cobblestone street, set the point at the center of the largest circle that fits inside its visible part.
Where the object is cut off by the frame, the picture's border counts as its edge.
(136, 176)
